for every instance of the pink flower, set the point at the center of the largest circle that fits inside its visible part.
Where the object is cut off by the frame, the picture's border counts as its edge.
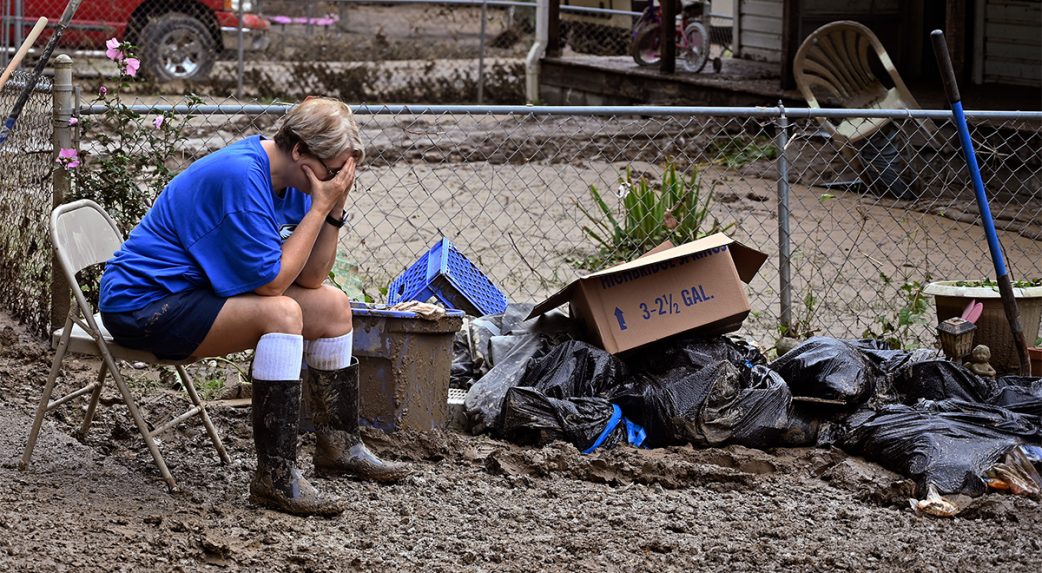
(112, 51)
(158, 121)
(102, 91)
(73, 121)
(132, 65)
(68, 158)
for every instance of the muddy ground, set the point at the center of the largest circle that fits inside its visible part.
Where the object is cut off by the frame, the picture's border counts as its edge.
(474, 504)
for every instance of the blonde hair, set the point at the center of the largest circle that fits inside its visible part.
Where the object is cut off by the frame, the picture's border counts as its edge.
(324, 127)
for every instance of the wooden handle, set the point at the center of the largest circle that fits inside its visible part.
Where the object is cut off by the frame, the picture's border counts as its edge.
(22, 51)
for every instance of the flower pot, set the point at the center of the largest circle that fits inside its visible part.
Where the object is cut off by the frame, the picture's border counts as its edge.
(1035, 354)
(992, 327)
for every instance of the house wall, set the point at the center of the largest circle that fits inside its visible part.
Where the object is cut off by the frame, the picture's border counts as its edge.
(1012, 42)
(758, 30)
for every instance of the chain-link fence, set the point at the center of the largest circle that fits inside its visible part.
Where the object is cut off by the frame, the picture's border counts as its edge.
(26, 161)
(869, 222)
(431, 51)
(449, 51)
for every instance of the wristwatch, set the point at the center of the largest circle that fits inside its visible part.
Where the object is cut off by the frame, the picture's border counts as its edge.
(338, 223)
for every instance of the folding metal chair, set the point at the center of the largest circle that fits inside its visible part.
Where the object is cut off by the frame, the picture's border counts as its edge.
(83, 234)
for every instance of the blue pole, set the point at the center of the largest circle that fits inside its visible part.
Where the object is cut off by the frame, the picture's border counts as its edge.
(978, 189)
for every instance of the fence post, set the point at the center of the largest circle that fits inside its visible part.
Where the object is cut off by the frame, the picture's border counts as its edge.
(241, 70)
(3, 34)
(61, 182)
(481, 53)
(18, 14)
(784, 238)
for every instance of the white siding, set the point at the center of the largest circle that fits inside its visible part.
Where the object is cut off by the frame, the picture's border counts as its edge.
(759, 25)
(1013, 42)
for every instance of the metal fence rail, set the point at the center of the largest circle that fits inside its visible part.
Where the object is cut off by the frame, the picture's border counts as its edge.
(26, 161)
(868, 223)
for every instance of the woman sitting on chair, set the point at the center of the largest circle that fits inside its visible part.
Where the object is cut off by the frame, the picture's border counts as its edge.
(233, 255)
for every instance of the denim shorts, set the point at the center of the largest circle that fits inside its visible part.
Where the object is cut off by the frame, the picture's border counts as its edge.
(171, 327)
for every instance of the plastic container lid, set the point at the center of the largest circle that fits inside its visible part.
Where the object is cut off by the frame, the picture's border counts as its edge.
(380, 311)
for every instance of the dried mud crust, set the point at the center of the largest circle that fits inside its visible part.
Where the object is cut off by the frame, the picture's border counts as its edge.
(475, 504)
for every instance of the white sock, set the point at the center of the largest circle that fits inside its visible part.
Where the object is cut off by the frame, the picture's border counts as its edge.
(330, 353)
(278, 357)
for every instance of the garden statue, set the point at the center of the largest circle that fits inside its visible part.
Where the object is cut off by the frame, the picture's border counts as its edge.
(978, 363)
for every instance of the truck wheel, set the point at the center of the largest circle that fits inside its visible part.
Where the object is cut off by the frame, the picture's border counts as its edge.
(176, 46)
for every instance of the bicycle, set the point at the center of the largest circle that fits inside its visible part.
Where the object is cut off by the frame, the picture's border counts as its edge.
(692, 36)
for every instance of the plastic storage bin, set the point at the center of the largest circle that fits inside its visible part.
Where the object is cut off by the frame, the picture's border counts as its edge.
(444, 273)
(404, 367)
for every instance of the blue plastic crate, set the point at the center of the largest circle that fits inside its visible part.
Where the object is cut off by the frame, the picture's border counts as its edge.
(444, 273)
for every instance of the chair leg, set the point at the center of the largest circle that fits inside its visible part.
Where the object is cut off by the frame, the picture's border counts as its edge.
(93, 406)
(194, 396)
(128, 398)
(41, 410)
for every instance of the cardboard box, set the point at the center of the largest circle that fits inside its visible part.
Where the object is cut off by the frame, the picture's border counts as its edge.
(697, 285)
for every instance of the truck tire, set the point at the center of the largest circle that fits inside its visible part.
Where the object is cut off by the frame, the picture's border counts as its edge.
(177, 46)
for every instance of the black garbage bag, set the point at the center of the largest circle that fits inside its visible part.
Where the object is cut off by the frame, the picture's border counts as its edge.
(563, 396)
(531, 417)
(755, 413)
(482, 339)
(687, 351)
(949, 443)
(941, 380)
(889, 361)
(672, 378)
(511, 349)
(827, 368)
(572, 369)
(463, 372)
(485, 398)
(1020, 394)
(664, 400)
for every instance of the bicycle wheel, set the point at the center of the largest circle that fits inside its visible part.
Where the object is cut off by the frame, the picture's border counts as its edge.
(645, 45)
(696, 51)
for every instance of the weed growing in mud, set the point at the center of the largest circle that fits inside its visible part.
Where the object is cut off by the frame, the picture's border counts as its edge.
(677, 210)
(802, 324)
(126, 165)
(897, 332)
(738, 151)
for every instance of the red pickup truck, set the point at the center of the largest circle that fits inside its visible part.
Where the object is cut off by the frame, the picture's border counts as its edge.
(177, 39)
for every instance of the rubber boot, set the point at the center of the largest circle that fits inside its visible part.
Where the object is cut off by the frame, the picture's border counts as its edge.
(277, 483)
(339, 449)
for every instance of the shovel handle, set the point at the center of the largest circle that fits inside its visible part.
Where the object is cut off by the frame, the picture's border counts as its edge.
(23, 50)
(944, 62)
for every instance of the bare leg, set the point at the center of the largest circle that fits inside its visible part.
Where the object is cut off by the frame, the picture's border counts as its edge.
(322, 312)
(326, 311)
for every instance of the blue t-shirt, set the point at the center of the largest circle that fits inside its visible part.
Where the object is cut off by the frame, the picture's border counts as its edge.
(216, 225)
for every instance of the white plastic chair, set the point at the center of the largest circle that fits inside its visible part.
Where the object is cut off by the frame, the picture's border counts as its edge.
(83, 234)
(833, 62)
